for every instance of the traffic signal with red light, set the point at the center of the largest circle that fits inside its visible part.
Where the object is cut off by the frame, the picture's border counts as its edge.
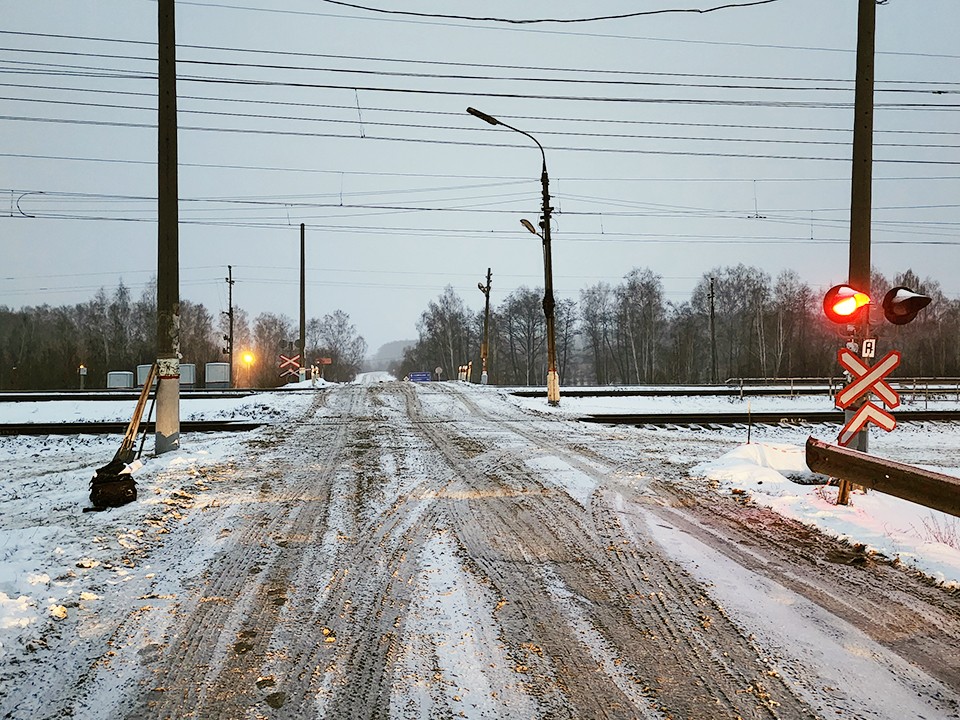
(844, 304)
(902, 304)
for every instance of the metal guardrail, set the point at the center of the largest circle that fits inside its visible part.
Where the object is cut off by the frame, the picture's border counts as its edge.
(924, 487)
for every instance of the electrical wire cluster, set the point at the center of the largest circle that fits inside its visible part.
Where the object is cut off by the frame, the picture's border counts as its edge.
(773, 128)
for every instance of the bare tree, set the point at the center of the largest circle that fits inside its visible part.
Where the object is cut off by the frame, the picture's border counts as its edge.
(338, 340)
(598, 318)
(522, 327)
(641, 309)
(741, 294)
(271, 335)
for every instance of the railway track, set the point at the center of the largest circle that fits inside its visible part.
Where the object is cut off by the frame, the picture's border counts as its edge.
(108, 428)
(656, 419)
(793, 417)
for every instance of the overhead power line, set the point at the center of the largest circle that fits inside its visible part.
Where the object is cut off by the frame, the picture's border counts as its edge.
(902, 237)
(438, 113)
(437, 141)
(381, 174)
(557, 133)
(316, 201)
(542, 31)
(436, 62)
(631, 100)
(936, 88)
(515, 21)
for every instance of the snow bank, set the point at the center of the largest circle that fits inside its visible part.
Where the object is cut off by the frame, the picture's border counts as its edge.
(776, 476)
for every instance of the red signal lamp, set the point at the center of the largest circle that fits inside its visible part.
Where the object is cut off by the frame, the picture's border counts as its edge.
(844, 304)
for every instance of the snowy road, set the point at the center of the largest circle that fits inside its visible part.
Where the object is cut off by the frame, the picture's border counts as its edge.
(434, 551)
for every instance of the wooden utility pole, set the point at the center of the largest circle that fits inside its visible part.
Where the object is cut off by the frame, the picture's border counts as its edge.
(713, 338)
(168, 258)
(861, 187)
(303, 301)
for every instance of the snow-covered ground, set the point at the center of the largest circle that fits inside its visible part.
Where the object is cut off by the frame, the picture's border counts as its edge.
(920, 537)
(56, 560)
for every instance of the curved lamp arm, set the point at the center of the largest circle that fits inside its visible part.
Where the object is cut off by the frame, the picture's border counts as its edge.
(493, 121)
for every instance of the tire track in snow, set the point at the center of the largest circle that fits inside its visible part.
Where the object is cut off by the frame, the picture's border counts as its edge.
(367, 601)
(694, 661)
(895, 607)
(212, 658)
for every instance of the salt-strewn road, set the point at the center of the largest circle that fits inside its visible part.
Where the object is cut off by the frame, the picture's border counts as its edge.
(432, 551)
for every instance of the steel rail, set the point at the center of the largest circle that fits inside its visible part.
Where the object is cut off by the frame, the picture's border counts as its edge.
(767, 418)
(109, 428)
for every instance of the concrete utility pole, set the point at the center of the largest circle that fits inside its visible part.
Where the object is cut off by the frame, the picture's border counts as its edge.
(168, 257)
(553, 377)
(861, 184)
(303, 302)
(485, 346)
(229, 338)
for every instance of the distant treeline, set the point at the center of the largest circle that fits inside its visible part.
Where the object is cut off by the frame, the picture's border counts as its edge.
(629, 333)
(614, 334)
(43, 347)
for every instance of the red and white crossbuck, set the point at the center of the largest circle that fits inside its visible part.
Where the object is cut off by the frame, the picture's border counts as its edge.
(866, 379)
(292, 365)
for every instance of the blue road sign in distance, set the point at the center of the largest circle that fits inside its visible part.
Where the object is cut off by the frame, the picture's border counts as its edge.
(421, 376)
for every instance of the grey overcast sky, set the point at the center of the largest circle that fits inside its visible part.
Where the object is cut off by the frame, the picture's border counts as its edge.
(678, 142)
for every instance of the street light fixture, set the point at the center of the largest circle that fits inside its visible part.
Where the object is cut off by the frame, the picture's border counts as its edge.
(553, 378)
(248, 359)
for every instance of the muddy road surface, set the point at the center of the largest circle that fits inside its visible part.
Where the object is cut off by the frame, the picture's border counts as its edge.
(434, 551)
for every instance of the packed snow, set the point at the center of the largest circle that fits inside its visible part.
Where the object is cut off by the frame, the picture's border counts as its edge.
(56, 561)
(774, 473)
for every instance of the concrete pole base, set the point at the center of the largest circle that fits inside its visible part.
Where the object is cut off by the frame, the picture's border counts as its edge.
(553, 388)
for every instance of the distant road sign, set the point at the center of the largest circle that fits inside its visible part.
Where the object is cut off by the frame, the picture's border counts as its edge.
(420, 376)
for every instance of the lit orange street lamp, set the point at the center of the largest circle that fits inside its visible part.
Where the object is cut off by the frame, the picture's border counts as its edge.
(248, 360)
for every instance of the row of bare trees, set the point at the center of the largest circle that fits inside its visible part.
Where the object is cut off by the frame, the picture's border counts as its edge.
(615, 334)
(630, 333)
(43, 347)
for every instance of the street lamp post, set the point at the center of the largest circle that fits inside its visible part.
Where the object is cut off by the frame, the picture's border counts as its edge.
(553, 378)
